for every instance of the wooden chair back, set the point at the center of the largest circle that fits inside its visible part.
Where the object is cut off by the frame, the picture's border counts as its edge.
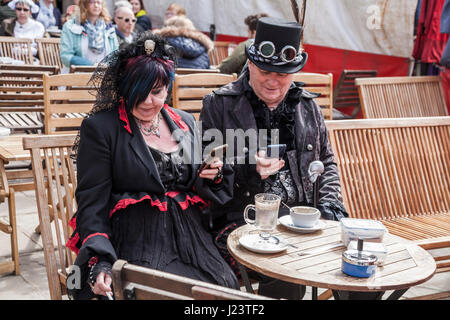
(55, 183)
(319, 83)
(402, 97)
(132, 282)
(67, 99)
(16, 48)
(346, 96)
(82, 69)
(189, 71)
(188, 90)
(396, 170)
(50, 69)
(221, 51)
(48, 51)
(21, 100)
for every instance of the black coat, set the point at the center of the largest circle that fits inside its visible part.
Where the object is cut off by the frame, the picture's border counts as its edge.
(228, 109)
(113, 160)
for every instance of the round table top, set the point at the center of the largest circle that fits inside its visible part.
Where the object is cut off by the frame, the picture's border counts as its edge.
(405, 265)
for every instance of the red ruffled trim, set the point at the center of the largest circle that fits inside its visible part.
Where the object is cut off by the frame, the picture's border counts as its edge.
(122, 204)
(123, 116)
(94, 235)
(72, 243)
(185, 204)
(162, 206)
(176, 118)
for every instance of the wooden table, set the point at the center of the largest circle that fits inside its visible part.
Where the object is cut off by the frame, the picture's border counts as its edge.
(12, 180)
(406, 264)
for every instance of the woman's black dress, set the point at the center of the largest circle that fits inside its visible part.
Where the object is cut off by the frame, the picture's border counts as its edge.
(174, 240)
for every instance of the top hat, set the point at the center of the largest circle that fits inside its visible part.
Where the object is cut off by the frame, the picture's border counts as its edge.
(276, 47)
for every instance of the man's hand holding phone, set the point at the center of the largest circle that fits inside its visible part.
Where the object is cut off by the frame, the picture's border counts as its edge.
(267, 166)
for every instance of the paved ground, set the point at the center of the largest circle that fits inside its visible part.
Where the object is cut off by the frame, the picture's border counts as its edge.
(32, 284)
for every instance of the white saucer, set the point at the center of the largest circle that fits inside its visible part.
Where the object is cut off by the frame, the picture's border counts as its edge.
(287, 222)
(255, 243)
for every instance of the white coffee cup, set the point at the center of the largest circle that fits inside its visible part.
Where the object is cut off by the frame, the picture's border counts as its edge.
(304, 217)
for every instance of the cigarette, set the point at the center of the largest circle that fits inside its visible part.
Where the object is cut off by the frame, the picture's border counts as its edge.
(110, 297)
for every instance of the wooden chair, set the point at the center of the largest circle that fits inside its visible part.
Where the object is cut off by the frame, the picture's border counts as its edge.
(55, 182)
(346, 96)
(64, 109)
(21, 100)
(319, 83)
(221, 51)
(133, 282)
(48, 51)
(188, 90)
(402, 97)
(17, 49)
(398, 171)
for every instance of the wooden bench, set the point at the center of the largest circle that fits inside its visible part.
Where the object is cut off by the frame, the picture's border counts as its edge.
(346, 96)
(67, 99)
(322, 84)
(401, 97)
(188, 90)
(132, 282)
(398, 171)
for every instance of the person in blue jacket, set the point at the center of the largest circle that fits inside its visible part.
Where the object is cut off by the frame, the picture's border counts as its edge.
(192, 46)
(88, 37)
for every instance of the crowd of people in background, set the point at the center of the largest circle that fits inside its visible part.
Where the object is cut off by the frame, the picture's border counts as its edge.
(89, 33)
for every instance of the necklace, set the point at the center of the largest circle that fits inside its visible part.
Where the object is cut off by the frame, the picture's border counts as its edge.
(153, 129)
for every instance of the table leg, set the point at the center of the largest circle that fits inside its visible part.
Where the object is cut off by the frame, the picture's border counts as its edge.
(397, 294)
(314, 293)
(352, 295)
(244, 276)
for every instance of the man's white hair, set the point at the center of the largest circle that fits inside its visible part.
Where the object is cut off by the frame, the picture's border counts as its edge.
(123, 9)
(122, 3)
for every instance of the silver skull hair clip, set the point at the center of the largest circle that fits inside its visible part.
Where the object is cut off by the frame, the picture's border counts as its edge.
(149, 46)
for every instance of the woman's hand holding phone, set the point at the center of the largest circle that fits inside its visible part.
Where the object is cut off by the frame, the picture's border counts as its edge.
(211, 170)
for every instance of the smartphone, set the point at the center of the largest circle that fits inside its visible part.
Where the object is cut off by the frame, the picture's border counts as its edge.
(218, 152)
(275, 150)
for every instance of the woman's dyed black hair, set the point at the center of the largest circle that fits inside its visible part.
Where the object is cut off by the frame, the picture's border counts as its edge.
(129, 74)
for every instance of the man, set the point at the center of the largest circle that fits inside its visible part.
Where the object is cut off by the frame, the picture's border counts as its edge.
(235, 62)
(125, 22)
(265, 98)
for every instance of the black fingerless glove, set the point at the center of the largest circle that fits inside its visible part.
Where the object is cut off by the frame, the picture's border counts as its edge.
(96, 267)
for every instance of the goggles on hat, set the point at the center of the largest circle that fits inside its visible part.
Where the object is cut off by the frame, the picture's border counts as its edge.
(266, 49)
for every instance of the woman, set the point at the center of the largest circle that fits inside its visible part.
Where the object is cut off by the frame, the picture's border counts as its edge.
(192, 45)
(135, 194)
(49, 15)
(174, 9)
(88, 36)
(143, 21)
(23, 26)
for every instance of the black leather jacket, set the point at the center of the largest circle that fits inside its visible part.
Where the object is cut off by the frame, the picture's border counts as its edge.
(228, 108)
